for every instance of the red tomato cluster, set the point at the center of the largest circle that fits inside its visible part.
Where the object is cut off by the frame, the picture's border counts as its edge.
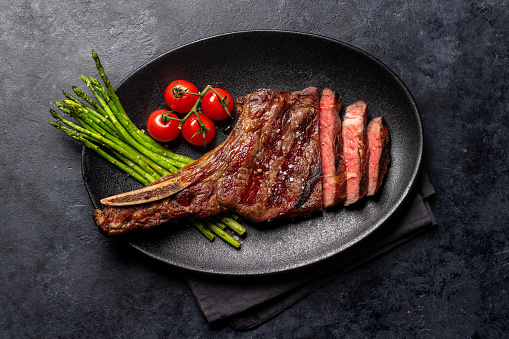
(198, 128)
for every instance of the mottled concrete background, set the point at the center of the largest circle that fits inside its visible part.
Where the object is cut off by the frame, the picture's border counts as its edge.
(60, 277)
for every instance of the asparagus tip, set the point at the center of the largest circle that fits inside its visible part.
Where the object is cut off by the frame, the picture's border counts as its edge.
(54, 114)
(78, 91)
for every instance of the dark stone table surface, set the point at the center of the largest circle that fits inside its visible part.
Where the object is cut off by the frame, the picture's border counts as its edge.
(61, 278)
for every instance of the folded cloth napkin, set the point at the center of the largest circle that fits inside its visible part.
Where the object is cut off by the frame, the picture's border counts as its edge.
(247, 303)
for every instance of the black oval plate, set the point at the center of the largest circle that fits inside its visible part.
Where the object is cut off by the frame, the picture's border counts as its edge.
(242, 63)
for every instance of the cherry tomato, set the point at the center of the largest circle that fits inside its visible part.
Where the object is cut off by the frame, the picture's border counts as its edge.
(184, 102)
(192, 125)
(159, 129)
(211, 104)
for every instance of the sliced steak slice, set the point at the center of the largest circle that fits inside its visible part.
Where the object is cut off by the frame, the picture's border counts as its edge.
(269, 167)
(331, 145)
(379, 153)
(355, 151)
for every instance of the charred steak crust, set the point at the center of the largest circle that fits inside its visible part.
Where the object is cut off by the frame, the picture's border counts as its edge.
(284, 171)
(269, 167)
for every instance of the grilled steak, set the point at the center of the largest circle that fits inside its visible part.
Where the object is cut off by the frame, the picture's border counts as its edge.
(269, 167)
(379, 155)
(286, 151)
(331, 145)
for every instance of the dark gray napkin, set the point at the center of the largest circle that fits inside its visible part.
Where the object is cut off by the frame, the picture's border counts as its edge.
(246, 303)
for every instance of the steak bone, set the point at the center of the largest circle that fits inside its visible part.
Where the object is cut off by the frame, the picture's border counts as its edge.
(157, 191)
